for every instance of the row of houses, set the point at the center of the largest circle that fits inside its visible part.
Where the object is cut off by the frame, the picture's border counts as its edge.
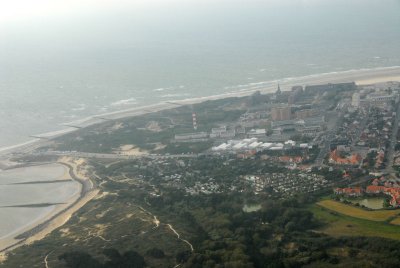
(287, 184)
(394, 192)
(221, 133)
(254, 144)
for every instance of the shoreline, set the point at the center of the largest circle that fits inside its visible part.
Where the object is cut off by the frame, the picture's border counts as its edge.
(59, 216)
(359, 76)
(88, 188)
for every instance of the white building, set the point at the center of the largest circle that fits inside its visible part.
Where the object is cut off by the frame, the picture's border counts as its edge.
(355, 100)
(257, 133)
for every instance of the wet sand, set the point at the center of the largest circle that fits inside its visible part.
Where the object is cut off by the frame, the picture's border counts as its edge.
(36, 222)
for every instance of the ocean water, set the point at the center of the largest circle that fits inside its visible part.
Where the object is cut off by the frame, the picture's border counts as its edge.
(58, 70)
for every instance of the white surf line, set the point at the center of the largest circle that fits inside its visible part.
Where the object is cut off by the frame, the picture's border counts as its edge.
(179, 237)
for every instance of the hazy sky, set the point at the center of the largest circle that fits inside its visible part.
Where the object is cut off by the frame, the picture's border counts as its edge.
(26, 10)
(96, 22)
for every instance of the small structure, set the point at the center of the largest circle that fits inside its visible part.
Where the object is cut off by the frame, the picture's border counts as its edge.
(191, 137)
(356, 191)
(335, 158)
(257, 133)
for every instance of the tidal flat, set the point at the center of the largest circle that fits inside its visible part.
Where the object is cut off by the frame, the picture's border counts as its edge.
(30, 195)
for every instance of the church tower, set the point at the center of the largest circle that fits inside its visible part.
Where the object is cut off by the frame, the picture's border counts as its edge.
(278, 91)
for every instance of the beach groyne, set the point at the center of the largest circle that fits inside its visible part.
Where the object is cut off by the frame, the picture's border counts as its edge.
(88, 189)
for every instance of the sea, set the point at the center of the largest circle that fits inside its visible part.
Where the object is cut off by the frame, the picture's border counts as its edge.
(56, 70)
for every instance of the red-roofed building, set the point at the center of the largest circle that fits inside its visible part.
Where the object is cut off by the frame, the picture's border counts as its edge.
(356, 191)
(374, 189)
(394, 192)
(353, 160)
(291, 159)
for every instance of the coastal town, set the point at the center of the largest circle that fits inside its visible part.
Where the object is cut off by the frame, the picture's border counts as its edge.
(340, 127)
(335, 145)
(342, 137)
(199, 134)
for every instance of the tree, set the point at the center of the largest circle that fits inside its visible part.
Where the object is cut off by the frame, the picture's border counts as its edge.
(77, 259)
(155, 253)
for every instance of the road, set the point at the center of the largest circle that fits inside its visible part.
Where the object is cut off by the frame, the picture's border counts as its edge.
(329, 136)
(115, 156)
(333, 122)
(393, 141)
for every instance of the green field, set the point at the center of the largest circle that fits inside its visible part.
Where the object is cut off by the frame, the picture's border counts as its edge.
(338, 221)
(349, 210)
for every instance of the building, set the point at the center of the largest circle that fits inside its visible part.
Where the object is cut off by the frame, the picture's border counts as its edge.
(218, 130)
(295, 94)
(309, 126)
(190, 137)
(355, 100)
(315, 89)
(222, 132)
(310, 131)
(302, 114)
(335, 158)
(375, 189)
(240, 130)
(257, 133)
(356, 191)
(281, 113)
(380, 98)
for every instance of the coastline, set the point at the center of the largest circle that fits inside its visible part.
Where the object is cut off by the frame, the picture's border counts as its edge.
(54, 220)
(42, 226)
(360, 76)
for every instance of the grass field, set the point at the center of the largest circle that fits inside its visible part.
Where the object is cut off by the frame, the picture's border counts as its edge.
(348, 210)
(395, 221)
(338, 221)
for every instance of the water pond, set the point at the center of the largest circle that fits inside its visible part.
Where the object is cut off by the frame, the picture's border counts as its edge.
(372, 203)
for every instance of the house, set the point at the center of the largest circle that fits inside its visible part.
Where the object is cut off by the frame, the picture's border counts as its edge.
(335, 158)
(291, 159)
(356, 191)
(374, 189)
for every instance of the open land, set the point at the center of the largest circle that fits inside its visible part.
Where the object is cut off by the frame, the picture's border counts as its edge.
(339, 225)
(377, 215)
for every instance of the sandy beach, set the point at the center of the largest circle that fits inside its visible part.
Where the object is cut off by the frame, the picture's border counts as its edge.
(62, 213)
(55, 216)
(361, 77)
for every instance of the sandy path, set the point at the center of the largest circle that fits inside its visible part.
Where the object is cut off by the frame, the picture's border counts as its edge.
(179, 237)
(46, 264)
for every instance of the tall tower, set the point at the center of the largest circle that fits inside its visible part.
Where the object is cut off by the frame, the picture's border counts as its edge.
(278, 91)
(194, 121)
